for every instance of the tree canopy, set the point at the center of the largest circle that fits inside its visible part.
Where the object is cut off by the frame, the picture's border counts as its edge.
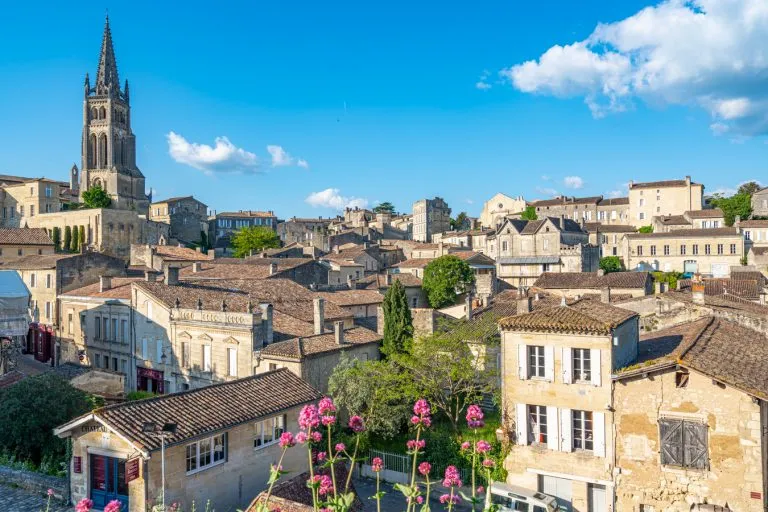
(749, 188)
(460, 222)
(385, 207)
(254, 239)
(645, 229)
(611, 264)
(398, 323)
(444, 278)
(96, 197)
(529, 213)
(738, 204)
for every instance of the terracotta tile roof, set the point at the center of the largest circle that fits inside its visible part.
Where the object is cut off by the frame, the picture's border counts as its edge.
(34, 262)
(688, 233)
(474, 257)
(301, 348)
(286, 327)
(566, 200)
(176, 253)
(710, 213)
(246, 213)
(344, 298)
(237, 268)
(725, 303)
(581, 317)
(293, 495)
(745, 288)
(210, 409)
(614, 201)
(759, 251)
(173, 199)
(567, 280)
(379, 281)
(749, 275)
(593, 227)
(673, 220)
(754, 223)
(660, 184)
(120, 289)
(532, 226)
(414, 263)
(24, 236)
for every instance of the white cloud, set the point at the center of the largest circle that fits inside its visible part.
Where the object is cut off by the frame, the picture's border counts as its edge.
(719, 128)
(704, 53)
(302, 163)
(613, 194)
(223, 156)
(280, 157)
(545, 177)
(551, 192)
(332, 198)
(482, 82)
(469, 201)
(573, 182)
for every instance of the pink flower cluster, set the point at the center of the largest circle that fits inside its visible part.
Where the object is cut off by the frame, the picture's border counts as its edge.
(488, 463)
(113, 506)
(483, 446)
(413, 444)
(326, 484)
(287, 440)
(356, 424)
(425, 468)
(466, 445)
(446, 498)
(377, 464)
(309, 417)
(452, 477)
(84, 505)
(340, 447)
(475, 417)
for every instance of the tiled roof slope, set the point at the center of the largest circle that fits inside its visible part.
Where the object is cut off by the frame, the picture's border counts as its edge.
(660, 184)
(24, 236)
(300, 348)
(353, 297)
(685, 233)
(581, 317)
(176, 253)
(567, 280)
(209, 409)
(120, 288)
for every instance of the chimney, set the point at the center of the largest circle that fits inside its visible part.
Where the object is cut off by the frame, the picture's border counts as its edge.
(319, 315)
(171, 275)
(688, 181)
(562, 221)
(737, 221)
(266, 318)
(600, 272)
(439, 248)
(524, 302)
(105, 283)
(365, 245)
(211, 253)
(388, 279)
(338, 332)
(150, 276)
(272, 268)
(697, 292)
(605, 295)
(199, 249)
(197, 267)
(336, 249)
(660, 287)
(762, 299)
(468, 302)
(350, 282)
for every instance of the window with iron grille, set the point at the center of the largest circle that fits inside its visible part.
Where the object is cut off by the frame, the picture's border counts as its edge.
(535, 361)
(582, 430)
(719, 248)
(682, 250)
(666, 250)
(733, 248)
(683, 443)
(582, 365)
(653, 250)
(695, 249)
(537, 416)
(707, 249)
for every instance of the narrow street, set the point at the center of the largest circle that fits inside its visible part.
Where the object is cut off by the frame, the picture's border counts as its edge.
(393, 500)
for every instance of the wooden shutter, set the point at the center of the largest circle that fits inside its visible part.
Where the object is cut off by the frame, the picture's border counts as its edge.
(566, 434)
(695, 453)
(598, 434)
(567, 365)
(522, 424)
(522, 361)
(553, 432)
(549, 363)
(594, 357)
(671, 432)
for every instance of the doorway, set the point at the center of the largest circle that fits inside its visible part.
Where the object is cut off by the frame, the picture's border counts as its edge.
(596, 498)
(107, 478)
(560, 488)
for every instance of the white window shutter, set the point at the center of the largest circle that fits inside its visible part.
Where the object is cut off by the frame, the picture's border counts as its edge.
(522, 424)
(522, 361)
(144, 348)
(553, 432)
(565, 430)
(598, 434)
(159, 347)
(567, 365)
(549, 363)
(594, 356)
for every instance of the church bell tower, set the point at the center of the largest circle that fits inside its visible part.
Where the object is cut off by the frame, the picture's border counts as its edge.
(109, 145)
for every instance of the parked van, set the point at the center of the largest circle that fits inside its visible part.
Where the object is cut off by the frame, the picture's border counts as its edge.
(513, 498)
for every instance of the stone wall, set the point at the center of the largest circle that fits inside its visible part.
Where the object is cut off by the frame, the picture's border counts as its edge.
(34, 482)
(312, 272)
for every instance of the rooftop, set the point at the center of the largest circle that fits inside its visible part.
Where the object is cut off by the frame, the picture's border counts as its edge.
(346, 298)
(301, 348)
(414, 263)
(565, 200)
(581, 317)
(568, 280)
(172, 199)
(25, 236)
(176, 253)
(688, 233)
(36, 262)
(120, 288)
(660, 184)
(754, 223)
(245, 213)
(710, 213)
(593, 227)
(614, 201)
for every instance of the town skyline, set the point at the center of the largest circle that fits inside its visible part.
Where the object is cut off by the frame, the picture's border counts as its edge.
(307, 172)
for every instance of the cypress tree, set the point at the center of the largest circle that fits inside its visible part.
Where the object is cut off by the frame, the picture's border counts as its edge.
(56, 237)
(67, 238)
(75, 245)
(398, 324)
(82, 236)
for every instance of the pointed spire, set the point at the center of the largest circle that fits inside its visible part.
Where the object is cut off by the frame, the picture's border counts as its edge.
(87, 85)
(107, 81)
(125, 92)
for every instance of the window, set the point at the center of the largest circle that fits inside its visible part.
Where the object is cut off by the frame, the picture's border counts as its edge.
(695, 249)
(98, 361)
(206, 453)
(683, 443)
(642, 202)
(582, 430)
(639, 250)
(504, 246)
(273, 367)
(268, 431)
(666, 250)
(535, 361)
(582, 365)
(653, 250)
(70, 327)
(105, 328)
(114, 363)
(682, 250)
(414, 302)
(641, 216)
(206, 358)
(707, 249)
(537, 416)
(124, 366)
(124, 331)
(144, 349)
(159, 350)
(31, 210)
(114, 330)
(48, 191)
(32, 280)
(747, 235)
(185, 354)
(733, 248)
(232, 362)
(21, 211)
(97, 332)
(47, 280)
(719, 248)
(48, 310)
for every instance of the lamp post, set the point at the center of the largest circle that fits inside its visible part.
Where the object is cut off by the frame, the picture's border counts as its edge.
(150, 427)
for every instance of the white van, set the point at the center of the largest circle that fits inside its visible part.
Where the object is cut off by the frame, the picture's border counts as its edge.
(512, 498)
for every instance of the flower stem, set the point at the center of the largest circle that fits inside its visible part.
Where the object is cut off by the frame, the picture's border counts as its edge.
(413, 469)
(450, 501)
(332, 457)
(311, 471)
(272, 484)
(352, 464)
(378, 496)
(474, 463)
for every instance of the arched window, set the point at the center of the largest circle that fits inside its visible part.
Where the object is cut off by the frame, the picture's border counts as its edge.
(103, 113)
(92, 152)
(102, 151)
(117, 149)
(94, 113)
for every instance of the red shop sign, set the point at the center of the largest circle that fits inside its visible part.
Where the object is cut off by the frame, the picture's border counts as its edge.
(131, 470)
(78, 464)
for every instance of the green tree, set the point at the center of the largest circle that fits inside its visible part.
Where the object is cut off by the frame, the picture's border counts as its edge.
(529, 213)
(375, 390)
(460, 222)
(444, 278)
(56, 237)
(253, 239)
(749, 188)
(204, 245)
(736, 205)
(398, 323)
(385, 207)
(96, 197)
(74, 245)
(611, 264)
(31, 410)
(67, 238)
(645, 229)
(82, 236)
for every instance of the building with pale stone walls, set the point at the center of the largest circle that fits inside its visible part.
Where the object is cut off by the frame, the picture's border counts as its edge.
(613, 211)
(186, 216)
(221, 450)
(19, 242)
(23, 199)
(700, 219)
(663, 198)
(760, 203)
(223, 225)
(755, 232)
(609, 237)
(706, 251)
(575, 208)
(577, 284)
(499, 207)
(430, 216)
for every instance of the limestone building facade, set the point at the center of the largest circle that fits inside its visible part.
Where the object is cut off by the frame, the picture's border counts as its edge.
(186, 216)
(430, 216)
(663, 198)
(498, 207)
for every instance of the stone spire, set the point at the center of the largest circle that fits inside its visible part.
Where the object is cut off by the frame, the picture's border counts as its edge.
(107, 81)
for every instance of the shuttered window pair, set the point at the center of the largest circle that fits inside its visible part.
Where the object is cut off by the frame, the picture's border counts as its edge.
(683, 443)
(579, 365)
(565, 430)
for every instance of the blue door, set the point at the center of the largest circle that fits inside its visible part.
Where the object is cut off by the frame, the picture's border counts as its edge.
(108, 481)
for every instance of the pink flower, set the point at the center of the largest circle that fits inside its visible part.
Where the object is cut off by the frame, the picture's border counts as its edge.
(50, 492)
(317, 436)
(480, 489)
(415, 420)
(301, 437)
(356, 424)
(421, 408)
(419, 499)
(320, 456)
(452, 477)
(84, 505)
(445, 498)
(483, 446)
(328, 420)
(413, 444)
(308, 417)
(287, 440)
(488, 463)
(340, 447)
(326, 484)
(425, 468)
(325, 406)
(466, 445)
(475, 416)
(377, 464)
(421, 420)
(113, 506)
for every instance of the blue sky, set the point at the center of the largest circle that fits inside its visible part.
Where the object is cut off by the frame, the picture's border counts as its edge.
(396, 101)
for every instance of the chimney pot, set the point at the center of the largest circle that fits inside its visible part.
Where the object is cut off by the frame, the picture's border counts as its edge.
(150, 276)
(211, 253)
(267, 321)
(199, 249)
(468, 301)
(388, 279)
(605, 295)
(197, 267)
(600, 272)
(697, 293)
(338, 332)
(171, 275)
(319, 317)
(105, 283)
(272, 268)
(350, 282)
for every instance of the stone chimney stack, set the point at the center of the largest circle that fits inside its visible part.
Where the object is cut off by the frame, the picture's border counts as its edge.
(266, 318)
(171, 275)
(319, 303)
(199, 249)
(150, 276)
(468, 301)
(388, 279)
(197, 267)
(562, 221)
(524, 302)
(660, 287)
(272, 268)
(440, 248)
(338, 332)
(600, 272)
(336, 249)
(105, 283)
(605, 295)
(737, 221)
(350, 282)
(697, 290)
(688, 181)
(211, 254)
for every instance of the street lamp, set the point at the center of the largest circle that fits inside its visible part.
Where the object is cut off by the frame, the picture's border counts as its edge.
(150, 427)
